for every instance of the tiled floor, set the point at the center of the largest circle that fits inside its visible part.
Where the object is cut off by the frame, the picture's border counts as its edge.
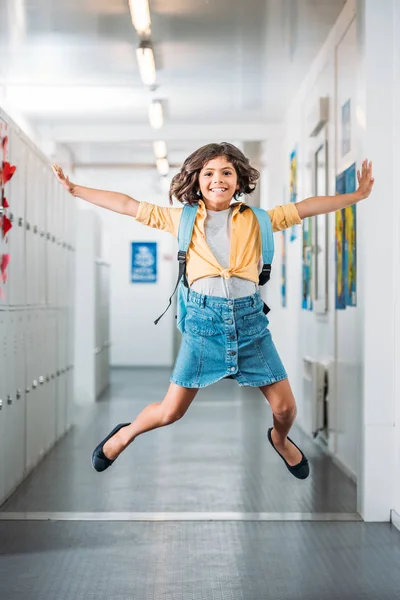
(215, 460)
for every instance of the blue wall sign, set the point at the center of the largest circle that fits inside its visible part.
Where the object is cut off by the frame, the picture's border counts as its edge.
(144, 262)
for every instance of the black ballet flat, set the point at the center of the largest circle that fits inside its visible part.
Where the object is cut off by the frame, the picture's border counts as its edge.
(302, 469)
(100, 461)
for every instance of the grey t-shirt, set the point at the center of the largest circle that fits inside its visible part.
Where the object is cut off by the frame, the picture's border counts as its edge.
(218, 226)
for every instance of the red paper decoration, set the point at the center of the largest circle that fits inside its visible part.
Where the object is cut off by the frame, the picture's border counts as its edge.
(8, 172)
(5, 261)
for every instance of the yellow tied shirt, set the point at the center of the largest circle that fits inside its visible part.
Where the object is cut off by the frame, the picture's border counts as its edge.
(245, 249)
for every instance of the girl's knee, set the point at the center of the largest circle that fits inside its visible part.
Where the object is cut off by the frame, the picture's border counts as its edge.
(286, 409)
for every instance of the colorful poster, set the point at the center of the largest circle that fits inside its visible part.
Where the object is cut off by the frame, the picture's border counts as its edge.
(144, 262)
(350, 260)
(340, 298)
(283, 269)
(307, 299)
(346, 244)
(346, 128)
(293, 188)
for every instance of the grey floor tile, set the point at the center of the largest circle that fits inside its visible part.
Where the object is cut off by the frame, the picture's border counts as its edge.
(199, 561)
(216, 459)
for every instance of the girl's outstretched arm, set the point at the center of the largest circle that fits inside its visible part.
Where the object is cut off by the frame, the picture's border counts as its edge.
(120, 203)
(319, 205)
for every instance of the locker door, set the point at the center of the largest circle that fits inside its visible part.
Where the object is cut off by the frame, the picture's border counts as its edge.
(50, 264)
(42, 200)
(33, 430)
(70, 361)
(50, 369)
(61, 386)
(3, 373)
(41, 390)
(30, 238)
(16, 198)
(19, 392)
(48, 416)
(15, 421)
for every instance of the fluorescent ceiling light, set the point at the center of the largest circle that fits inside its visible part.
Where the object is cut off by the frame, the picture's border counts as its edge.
(146, 62)
(140, 14)
(162, 166)
(160, 149)
(156, 114)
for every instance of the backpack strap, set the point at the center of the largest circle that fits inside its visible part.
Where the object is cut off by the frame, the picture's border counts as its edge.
(185, 232)
(267, 240)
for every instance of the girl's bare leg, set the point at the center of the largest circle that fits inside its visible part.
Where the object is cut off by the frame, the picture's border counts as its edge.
(159, 414)
(283, 404)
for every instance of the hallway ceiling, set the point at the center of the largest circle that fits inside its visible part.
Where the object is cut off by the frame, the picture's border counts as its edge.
(225, 68)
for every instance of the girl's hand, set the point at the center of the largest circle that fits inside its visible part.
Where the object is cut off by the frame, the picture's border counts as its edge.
(365, 180)
(65, 182)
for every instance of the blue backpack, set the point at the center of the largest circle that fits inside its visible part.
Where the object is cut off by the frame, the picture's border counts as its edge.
(185, 231)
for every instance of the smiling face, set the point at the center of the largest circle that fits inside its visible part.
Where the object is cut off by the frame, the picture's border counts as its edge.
(218, 183)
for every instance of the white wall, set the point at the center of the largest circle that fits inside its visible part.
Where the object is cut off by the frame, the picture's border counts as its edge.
(336, 334)
(396, 158)
(135, 340)
(360, 61)
(379, 243)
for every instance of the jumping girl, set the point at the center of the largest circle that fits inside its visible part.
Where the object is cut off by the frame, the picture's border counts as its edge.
(226, 331)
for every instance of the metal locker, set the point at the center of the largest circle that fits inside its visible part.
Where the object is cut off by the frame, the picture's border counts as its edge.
(50, 376)
(44, 434)
(33, 425)
(30, 236)
(16, 197)
(37, 185)
(14, 408)
(61, 382)
(50, 258)
(70, 369)
(41, 232)
(4, 246)
(19, 392)
(3, 374)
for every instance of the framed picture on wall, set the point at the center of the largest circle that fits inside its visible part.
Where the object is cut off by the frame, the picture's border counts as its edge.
(321, 232)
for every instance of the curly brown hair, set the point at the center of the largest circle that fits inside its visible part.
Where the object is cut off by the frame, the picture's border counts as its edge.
(185, 186)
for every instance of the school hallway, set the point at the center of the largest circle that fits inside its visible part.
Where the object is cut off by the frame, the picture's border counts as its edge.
(277, 122)
(201, 509)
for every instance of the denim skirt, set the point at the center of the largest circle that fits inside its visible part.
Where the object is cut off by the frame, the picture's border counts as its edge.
(226, 337)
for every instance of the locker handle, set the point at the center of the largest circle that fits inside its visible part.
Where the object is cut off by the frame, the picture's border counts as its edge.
(41, 380)
(18, 396)
(53, 238)
(47, 378)
(52, 376)
(42, 234)
(1, 404)
(34, 383)
(1, 211)
(28, 227)
(11, 217)
(58, 373)
(35, 229)
(48, 236)
(20, 222)
(27, 390)
(9, 400)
